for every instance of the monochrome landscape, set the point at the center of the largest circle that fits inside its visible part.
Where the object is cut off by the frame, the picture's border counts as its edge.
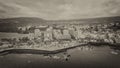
(59, 34)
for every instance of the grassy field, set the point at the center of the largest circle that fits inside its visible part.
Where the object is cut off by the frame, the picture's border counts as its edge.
(12, 35)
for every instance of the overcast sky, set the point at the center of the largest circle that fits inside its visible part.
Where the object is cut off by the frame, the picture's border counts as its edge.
(59, 9)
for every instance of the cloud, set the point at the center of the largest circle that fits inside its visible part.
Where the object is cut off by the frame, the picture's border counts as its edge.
(59, 9)
(112, 7)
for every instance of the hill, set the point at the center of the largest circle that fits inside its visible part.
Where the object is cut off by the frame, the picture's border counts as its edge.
(100, 20)
(22, 21)
(11, 24)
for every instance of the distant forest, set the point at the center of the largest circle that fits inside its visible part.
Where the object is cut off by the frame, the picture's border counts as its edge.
(8, 27)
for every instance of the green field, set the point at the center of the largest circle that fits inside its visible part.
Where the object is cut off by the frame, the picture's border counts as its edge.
(12, 35)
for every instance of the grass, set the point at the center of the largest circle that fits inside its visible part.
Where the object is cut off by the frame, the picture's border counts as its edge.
(12, 35)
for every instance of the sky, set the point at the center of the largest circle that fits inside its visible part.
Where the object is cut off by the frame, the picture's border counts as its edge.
(59, 9)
